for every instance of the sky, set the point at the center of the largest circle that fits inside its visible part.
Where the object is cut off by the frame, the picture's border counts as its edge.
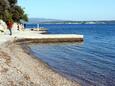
(70, 9)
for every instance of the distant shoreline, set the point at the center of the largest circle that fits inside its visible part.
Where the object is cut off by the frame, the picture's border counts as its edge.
(55, 21)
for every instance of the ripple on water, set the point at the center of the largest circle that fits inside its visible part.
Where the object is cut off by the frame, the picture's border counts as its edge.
(91, 63)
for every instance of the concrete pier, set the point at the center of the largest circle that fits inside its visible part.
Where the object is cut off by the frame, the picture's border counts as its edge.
(48, 38)
(35, 37)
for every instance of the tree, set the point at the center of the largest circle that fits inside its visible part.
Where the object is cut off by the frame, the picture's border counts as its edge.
(4, 5)
(12, 2)
(10, 10)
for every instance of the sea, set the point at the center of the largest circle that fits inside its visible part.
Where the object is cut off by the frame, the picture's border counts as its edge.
(90, 63)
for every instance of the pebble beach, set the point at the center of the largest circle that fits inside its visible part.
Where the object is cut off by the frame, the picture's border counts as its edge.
(19, 68)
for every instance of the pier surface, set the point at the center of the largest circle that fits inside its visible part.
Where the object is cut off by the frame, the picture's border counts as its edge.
(46, 38)
(36, 37)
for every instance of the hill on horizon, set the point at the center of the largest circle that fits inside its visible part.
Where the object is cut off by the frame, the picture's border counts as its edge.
(57, 21)
(41, 20)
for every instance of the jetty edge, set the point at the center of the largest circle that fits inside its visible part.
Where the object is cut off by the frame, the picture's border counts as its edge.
(22, 69)
(49, 38)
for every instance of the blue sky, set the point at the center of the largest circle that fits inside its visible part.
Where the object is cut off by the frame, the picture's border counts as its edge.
(70, 9)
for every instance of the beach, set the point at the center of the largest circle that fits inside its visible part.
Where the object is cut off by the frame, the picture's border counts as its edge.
(19, 68)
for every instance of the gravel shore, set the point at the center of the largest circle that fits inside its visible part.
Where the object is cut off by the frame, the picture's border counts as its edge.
(18, 68)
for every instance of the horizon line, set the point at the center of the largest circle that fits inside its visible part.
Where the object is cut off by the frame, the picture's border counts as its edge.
(74, 20)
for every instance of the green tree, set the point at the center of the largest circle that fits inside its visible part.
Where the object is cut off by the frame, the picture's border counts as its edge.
(10, 10)
(12, 2)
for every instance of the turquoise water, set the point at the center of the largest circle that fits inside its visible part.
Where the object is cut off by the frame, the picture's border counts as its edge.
(91, 63)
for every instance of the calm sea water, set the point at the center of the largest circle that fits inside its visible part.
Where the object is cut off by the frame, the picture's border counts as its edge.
(91, 63)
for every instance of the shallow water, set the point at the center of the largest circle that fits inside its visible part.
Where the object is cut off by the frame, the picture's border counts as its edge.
(91, 62)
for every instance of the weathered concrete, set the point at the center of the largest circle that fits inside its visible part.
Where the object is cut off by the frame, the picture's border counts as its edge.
(46, 38)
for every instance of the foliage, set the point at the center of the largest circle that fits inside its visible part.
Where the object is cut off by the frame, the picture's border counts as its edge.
(12, 2)
(10, 10)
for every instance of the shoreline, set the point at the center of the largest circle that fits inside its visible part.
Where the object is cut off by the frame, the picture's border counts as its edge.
(28, 70)
(28, 50)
